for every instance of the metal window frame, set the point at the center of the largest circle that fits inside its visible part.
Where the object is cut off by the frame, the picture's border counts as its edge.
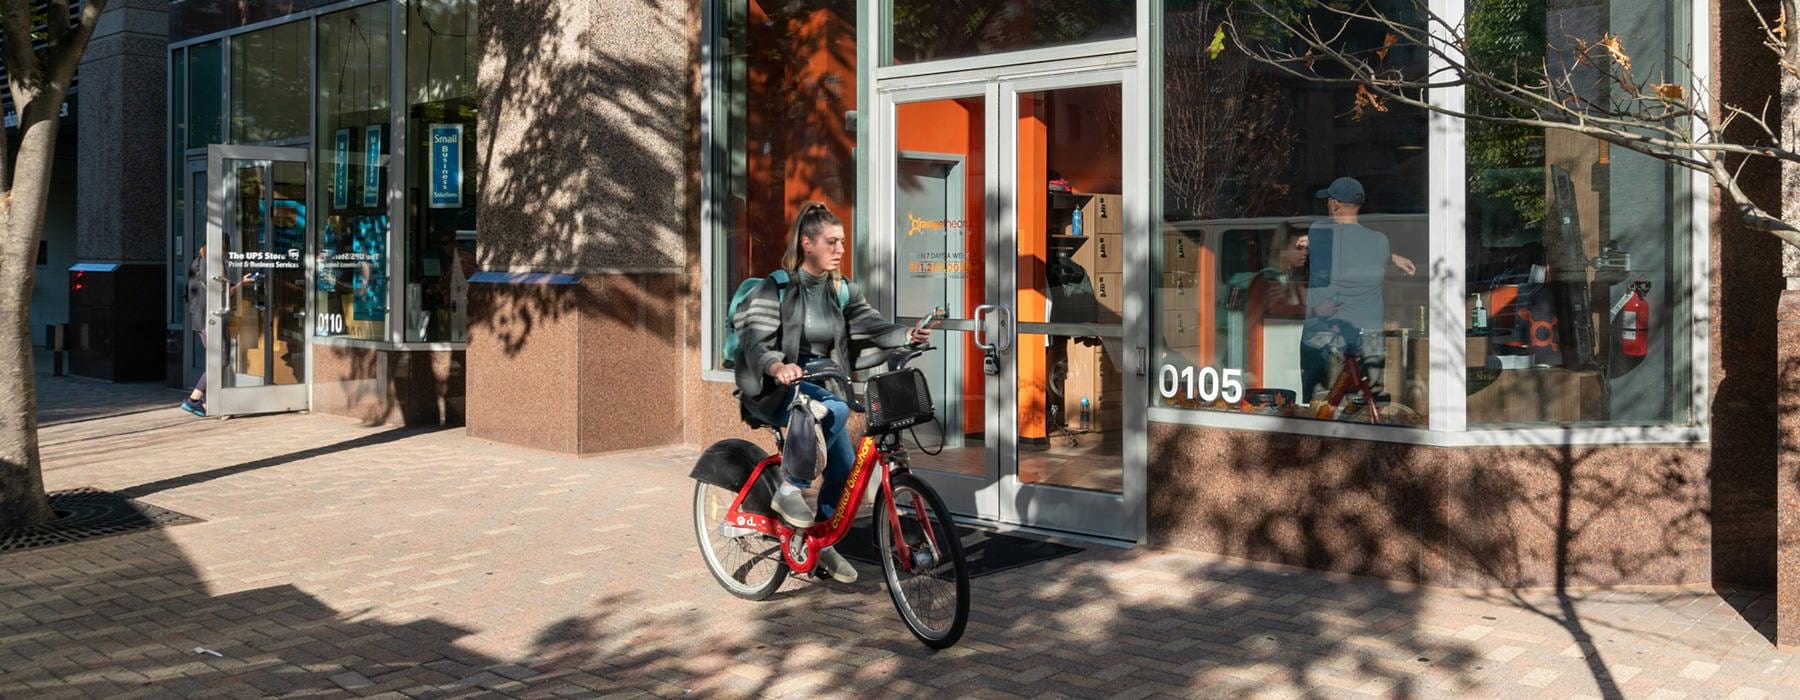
(1446, 148)
(1446, 151)
(394, 337)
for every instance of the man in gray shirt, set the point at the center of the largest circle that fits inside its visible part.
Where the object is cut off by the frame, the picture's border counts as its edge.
(1348, 271)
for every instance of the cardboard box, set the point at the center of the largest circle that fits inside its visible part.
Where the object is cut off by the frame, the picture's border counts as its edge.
(1092, 375)
(1180, 330)
(1179, 290)
(1181, 253)
(1107, 254)
(1109, 297)
(1537, 395)
(1103, 213)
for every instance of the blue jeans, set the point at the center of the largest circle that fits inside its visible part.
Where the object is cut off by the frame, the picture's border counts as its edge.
(839, 453)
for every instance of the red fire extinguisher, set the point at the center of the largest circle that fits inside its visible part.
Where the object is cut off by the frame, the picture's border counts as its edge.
(1634, 322)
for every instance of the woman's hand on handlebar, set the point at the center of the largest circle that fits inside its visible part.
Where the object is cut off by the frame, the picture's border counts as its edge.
(920, 336)
(786, 373)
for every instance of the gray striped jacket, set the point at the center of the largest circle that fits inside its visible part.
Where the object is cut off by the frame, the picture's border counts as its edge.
(861, 340)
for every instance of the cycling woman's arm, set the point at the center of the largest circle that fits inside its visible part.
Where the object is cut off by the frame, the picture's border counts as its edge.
(871, 334)
(759, 317)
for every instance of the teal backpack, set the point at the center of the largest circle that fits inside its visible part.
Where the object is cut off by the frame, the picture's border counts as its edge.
(744, 288)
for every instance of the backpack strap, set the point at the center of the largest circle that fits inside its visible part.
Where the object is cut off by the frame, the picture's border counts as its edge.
(781, 280)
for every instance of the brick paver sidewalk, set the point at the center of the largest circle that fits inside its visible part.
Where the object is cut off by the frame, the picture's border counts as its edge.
(342, 560)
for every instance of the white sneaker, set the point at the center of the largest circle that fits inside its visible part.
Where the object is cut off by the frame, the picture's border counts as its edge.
(840, 569)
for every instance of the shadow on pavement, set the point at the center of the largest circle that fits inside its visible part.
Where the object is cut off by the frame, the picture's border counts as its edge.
(369, 440)
(123, 614)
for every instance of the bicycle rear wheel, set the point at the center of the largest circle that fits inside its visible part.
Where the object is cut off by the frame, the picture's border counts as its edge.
(932, 594)
(747, 563)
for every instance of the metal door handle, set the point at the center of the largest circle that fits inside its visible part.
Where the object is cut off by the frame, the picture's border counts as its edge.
(1006, 328)
(981, 339)
(225, 308)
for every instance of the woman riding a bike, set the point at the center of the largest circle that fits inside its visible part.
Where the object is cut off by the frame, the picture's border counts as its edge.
(781, 330)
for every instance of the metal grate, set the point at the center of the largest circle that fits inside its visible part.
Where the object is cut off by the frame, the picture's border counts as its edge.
(85, 514)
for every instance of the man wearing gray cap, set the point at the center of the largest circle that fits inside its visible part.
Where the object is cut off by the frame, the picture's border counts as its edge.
(1344, 303)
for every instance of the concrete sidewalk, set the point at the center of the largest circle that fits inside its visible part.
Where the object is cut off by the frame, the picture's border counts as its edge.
(342, 560)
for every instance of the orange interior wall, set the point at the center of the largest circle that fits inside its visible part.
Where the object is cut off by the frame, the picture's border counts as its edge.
(801, 81)
(933, 127)
(1032, 202)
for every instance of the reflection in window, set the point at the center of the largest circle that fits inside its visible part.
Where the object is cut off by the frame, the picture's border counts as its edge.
(1574, 262)
(204, 86)
(269, 83)
(928, 30)
(351, 265)
(1293, 236)
(785, 94)
(440, 186)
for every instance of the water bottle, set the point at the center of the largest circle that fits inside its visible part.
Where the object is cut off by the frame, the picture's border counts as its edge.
(1087, 414)
(1075, 223)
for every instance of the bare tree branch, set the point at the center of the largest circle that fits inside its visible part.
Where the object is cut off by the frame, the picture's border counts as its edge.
(1676, 123)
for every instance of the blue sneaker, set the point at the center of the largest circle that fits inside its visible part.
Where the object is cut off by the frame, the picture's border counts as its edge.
(197, 408)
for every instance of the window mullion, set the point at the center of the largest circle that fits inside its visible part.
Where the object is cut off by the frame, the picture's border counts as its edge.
(1447, 241)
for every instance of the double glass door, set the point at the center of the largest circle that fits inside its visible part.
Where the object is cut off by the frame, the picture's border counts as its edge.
(256, 252)
(1007, 202)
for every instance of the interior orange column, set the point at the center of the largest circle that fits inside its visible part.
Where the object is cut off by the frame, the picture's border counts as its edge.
(1032, 202)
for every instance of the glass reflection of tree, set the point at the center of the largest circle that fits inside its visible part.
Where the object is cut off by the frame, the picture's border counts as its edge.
(1226, 134)
(1506, 161)
(925, 29)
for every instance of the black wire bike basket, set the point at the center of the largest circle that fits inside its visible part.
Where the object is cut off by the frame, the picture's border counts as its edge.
(898, 400)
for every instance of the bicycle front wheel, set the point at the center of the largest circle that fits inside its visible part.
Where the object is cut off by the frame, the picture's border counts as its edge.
(931, 591)
(747, 563)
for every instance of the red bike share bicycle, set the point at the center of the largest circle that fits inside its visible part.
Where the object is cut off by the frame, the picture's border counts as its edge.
(750, 550)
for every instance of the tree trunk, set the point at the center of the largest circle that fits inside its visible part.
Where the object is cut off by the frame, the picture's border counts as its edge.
(1790, 140)
(22, 497)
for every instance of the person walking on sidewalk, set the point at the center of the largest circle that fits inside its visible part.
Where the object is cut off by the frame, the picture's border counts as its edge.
(195, 403)
(782, 331)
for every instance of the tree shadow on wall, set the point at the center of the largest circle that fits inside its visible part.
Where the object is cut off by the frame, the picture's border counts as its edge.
(582, 168)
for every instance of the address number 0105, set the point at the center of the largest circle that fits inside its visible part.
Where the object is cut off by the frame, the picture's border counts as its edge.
(1203, 384)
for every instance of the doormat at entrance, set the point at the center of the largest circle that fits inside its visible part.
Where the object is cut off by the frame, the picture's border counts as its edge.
(84, 514)
(987, 552)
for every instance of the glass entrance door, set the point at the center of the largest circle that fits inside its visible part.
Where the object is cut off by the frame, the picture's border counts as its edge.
(256, 252)
(1007, 201)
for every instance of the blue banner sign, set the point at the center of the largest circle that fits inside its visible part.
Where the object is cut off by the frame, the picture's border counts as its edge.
(340, 170)
(372, 167)
(446, 165)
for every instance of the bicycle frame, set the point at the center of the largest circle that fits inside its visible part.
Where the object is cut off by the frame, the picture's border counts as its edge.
(1351, 380)
(869, 459)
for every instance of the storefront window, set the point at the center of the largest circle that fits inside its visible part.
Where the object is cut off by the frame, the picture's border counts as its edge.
(442, 52)
(785, 91)
(351, 260)
(928, 30)
(177, 268)
(1575, 253)
(269, 70)
(1293, 245)
(192, 18)
(205, 87)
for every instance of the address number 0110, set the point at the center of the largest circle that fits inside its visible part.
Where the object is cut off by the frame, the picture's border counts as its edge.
(1204, 384)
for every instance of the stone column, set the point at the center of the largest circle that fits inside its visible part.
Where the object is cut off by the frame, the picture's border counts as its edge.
(1787, 481)
(575, 318)
(118, 316)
